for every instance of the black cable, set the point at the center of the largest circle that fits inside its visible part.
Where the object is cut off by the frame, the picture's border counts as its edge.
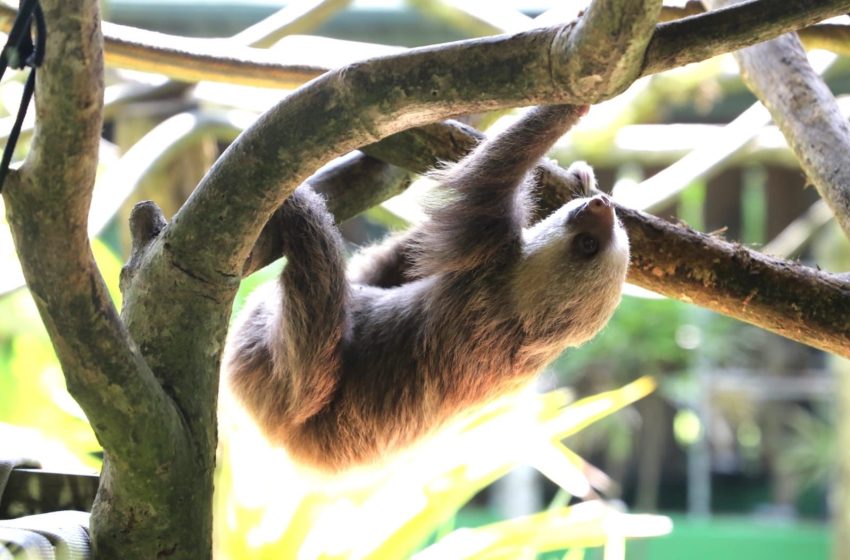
(20, 51)
(19, 44)
(9, 150)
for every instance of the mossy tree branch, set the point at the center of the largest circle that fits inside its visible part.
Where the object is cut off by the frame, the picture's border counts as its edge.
(47, 203)
(626, 26)
(788, 298)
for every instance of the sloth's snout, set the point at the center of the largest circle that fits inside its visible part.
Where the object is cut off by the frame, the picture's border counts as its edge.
(596, 213)
(600, 208)
(595, 217)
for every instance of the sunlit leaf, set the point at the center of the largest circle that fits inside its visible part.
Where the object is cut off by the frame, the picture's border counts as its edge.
(563, 467)
(591, 409)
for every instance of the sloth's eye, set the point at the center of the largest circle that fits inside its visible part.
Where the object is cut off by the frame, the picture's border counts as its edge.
(586, 244)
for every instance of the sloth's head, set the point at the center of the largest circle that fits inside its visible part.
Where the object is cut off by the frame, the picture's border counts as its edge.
(574, 266)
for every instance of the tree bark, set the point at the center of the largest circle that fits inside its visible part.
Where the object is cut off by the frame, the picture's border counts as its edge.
(155, 491)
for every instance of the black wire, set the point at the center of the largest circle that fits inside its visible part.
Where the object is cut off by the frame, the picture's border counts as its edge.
(9, 150)
(19, 52)
(19, 38)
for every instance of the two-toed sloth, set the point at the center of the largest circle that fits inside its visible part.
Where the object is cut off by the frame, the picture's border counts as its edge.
(341, 371)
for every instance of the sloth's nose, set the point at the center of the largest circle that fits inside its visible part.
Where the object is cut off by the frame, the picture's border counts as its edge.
(599, 202)
(599, 209)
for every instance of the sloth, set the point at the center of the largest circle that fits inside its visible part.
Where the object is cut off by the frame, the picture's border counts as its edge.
(344, 370)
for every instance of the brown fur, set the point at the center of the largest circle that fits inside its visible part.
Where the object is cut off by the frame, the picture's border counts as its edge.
(342, 371)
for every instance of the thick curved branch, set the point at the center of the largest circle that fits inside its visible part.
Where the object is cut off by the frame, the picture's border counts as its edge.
(675, 43)
(47, 205)
(356, 105)
(806, 112)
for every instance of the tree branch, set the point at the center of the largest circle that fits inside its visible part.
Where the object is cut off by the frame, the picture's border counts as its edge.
(625, 27)
(257, 173)
(787, 298)
(676, 43)
(47, 204)
(804, 109)
(828, 36)
(194, 60)
(703, 36)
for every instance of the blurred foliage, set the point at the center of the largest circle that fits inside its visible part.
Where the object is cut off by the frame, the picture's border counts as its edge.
(663, 337)
(810, 454)
(641, 338)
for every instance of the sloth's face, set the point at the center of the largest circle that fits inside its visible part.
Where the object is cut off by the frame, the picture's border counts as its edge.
(582, 235)
(595, 242)
(573, 269)
(581, 232)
